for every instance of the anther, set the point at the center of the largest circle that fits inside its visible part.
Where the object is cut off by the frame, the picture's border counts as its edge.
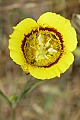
(52, 50)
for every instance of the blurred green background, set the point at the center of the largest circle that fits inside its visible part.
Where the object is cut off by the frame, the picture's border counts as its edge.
(56, 99)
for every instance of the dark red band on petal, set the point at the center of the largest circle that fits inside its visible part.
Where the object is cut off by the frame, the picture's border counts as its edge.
(25, 38)
(43, 29)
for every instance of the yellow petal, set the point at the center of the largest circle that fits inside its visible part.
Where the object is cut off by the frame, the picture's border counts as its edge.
(23, 28)
(17, 57)
(16, 38)
(62, 25)
(25, 68)
(27, 25)
(44, 73)
(65, 61)
(52, 20)
(54, 71)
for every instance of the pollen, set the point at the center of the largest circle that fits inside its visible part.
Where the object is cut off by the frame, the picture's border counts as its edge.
(42, 48)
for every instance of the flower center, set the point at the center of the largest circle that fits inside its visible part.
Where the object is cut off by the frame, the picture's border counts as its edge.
(42, 48)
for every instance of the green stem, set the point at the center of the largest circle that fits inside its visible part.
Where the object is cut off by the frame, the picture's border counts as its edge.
(22, 92)
(18, 99)
(5, 98)
(12, 113)
(32, 87)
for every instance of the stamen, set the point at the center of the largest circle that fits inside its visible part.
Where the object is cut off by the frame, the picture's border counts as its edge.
(37, 56)
(40, 40)
(52, 50)
(46, 56)
(47, 44)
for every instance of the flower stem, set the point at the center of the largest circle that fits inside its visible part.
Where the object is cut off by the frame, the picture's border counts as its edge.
(26, 91)
(33, 87)
(5, 97)
(12, 113)
(22, 92)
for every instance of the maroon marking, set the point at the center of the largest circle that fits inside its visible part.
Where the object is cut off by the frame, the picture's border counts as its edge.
(25, 37)
(35, 31)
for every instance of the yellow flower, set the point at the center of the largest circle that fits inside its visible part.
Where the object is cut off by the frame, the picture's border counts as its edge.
(43, 48)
